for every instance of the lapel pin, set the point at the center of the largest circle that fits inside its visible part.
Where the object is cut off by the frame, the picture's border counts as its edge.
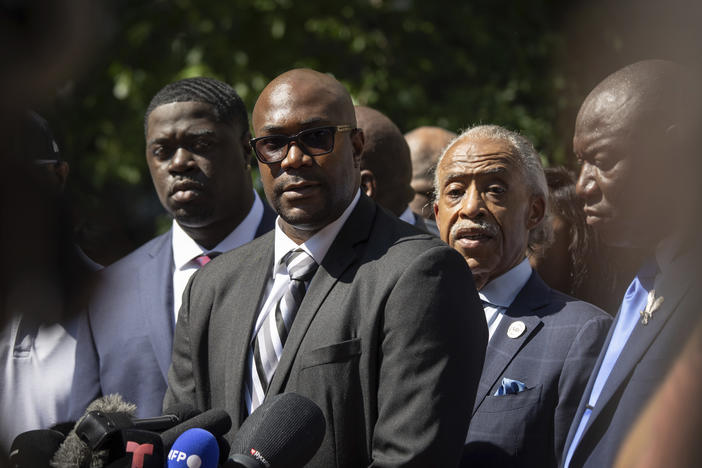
(516, 329)
(653, 303)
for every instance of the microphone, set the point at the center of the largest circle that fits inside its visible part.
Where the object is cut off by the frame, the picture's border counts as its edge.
(285, 431)
(97, 427)
(138, 449)
(214, 421)
(35, 448)
(75, 452)
(93, 441)
(195, 448)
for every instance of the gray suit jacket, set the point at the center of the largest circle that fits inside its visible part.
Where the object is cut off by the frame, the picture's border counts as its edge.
(553, 358)
(125, 337)
(642, 365)
(388, 341)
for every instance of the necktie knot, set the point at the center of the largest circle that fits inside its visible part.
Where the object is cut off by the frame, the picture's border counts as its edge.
(301, 266)
(204, 259)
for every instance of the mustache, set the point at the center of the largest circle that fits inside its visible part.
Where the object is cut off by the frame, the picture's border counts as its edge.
(474, 227)
(293, 179)
(185, 183)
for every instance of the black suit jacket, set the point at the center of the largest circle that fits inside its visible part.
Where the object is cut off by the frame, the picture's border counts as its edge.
(553, 358)
(641, 367)
(125, 338)
(388, 341)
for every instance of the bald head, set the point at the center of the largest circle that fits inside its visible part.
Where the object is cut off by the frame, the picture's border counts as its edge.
(650, 95)
(426, 145)
(303, 86)
(632, 137)
(308, 192)
(386, 168)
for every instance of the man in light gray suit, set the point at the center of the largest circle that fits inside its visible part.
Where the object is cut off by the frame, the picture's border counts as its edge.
(376, 322)
(491, 205)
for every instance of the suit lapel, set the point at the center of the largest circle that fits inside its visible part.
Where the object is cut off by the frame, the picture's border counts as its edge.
(672, 287)
(340, 256)
(502, 349)
(156, 294)
(586, 394)
(258, 268)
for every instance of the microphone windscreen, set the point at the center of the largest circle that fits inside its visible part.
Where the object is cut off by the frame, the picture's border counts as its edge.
(75, 452)
(35, 448)
(286, 430)
(113, 403)
(215, 421)
(194, 448)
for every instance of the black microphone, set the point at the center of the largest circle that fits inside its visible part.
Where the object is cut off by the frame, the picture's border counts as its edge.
(285, 431)
(215, 421)
(35, 448)
(98, 427)
(95, 442)
(138, 449)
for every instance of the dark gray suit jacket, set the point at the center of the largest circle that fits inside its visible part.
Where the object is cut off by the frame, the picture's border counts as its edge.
(125, 337)
(553, 358)
(641, 368)
(389, 342)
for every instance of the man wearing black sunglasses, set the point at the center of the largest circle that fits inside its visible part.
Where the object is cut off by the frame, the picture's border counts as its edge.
(374, 321)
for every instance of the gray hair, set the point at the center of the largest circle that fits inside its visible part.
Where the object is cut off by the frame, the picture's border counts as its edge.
(529, 161)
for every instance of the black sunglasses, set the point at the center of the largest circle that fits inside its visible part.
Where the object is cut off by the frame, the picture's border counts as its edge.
(313, 142)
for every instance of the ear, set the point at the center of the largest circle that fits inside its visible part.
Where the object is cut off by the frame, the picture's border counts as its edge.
(537, 211)
(368, 183)
(436, 212)
(357, 140)
(246, 147)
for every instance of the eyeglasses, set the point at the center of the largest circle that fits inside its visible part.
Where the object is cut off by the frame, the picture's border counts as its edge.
(313, 142)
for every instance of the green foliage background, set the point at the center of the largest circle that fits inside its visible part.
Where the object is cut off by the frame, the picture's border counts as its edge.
(524, 65)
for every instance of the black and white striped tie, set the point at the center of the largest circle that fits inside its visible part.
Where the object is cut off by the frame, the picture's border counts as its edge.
(271, 336)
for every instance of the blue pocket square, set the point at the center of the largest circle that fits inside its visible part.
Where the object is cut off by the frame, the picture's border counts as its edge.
(510, 387)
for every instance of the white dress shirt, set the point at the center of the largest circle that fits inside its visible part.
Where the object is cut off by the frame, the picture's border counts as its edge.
(408, 216)
(316, 246)
(185, 249)
(501, 292)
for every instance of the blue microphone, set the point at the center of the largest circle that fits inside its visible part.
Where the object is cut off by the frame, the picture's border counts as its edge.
(195, 448)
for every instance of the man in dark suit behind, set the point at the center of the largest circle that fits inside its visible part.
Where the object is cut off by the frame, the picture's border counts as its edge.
(386, 167)
(640, 184)
(491, 205)
(197, 150)
(388, 339)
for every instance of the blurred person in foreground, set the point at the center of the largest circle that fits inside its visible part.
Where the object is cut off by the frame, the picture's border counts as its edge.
(37, 344)
(386, 167)
(375, 321)
(426, 145)
(197, 151)
(492, 206)
(639, 180)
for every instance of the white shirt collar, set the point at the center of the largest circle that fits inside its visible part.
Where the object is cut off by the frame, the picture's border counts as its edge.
(502, 290)
(185, 249)
(407, 216)
(317, 245)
